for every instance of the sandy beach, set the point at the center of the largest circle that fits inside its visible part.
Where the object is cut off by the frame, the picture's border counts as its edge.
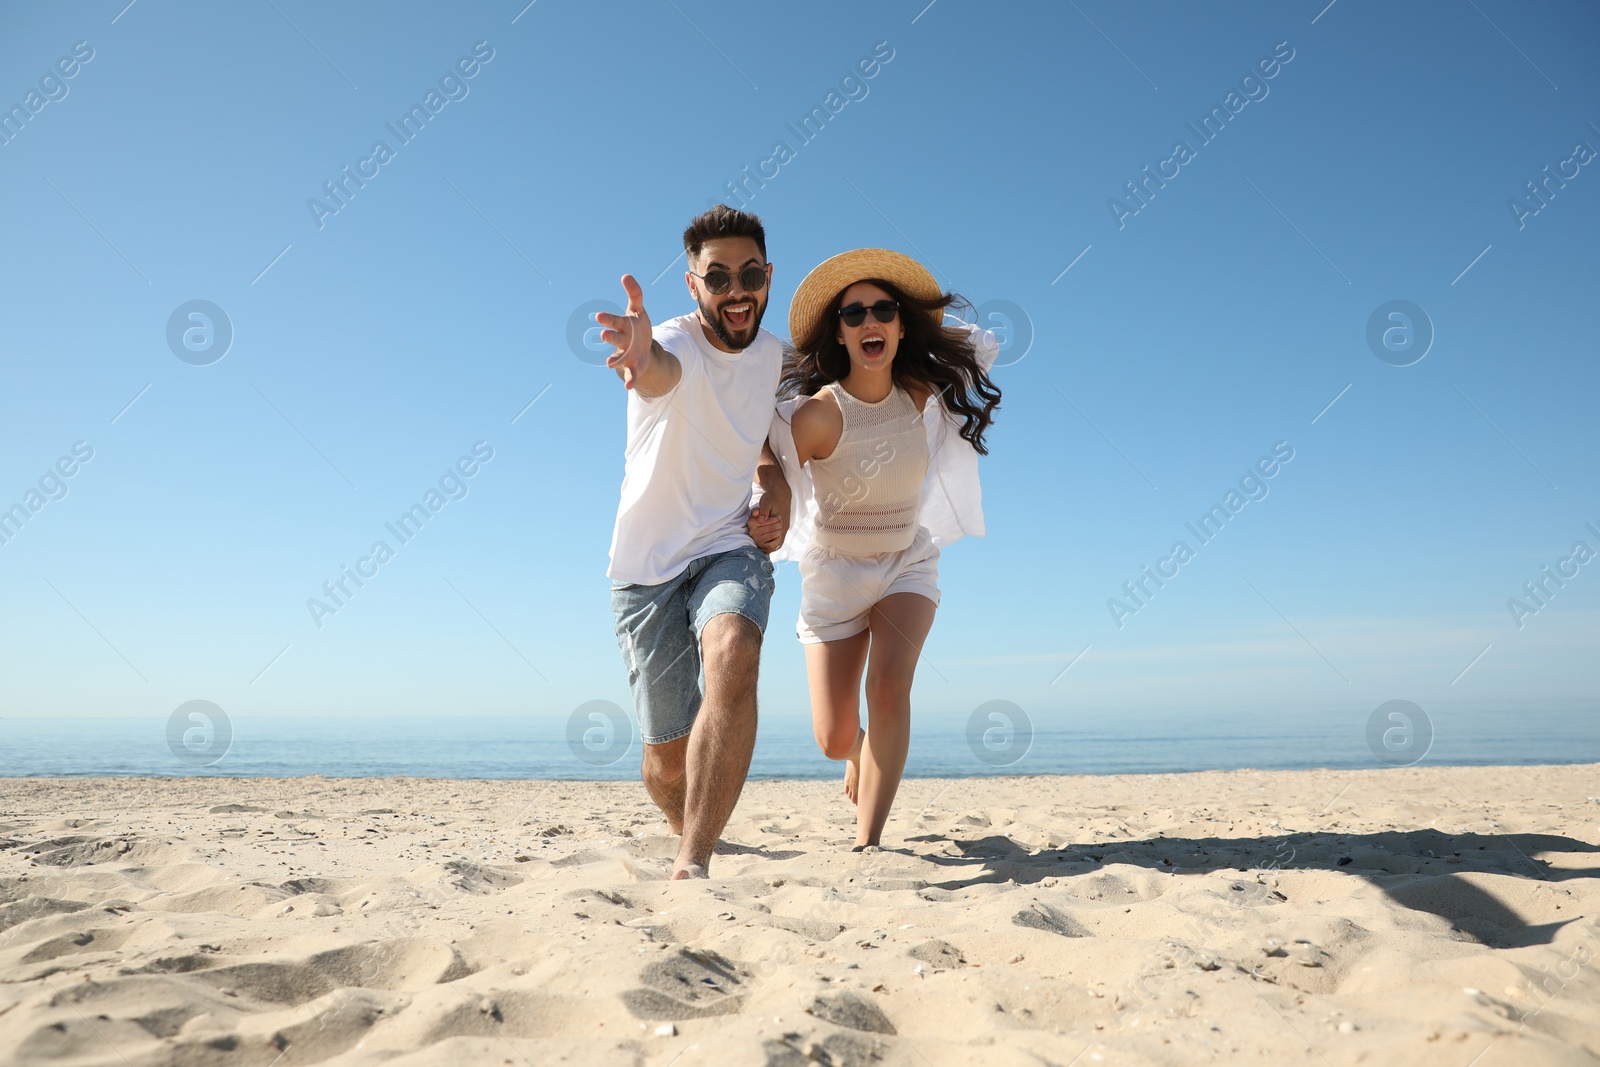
(1444, 916)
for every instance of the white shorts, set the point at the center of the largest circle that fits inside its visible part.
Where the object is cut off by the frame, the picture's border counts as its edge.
(837, 591)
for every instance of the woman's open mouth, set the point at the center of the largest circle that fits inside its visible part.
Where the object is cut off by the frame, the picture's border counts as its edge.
(738, 315)
(872, 347)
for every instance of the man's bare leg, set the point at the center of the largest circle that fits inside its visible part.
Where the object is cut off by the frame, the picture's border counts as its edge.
(663, 777)
(723, 738)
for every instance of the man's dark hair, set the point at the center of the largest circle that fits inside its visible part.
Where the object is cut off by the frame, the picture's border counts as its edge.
(723, 221)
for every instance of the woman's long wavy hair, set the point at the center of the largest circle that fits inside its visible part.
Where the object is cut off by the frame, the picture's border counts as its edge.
(942, 358)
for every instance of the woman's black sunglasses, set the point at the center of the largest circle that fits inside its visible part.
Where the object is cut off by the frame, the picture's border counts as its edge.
(719, 281)
(855, 314)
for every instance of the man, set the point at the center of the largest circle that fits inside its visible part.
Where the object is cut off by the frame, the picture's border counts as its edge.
(690, 589)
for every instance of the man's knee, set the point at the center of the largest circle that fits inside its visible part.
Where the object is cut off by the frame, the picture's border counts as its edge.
(731, 644)
(664, 763)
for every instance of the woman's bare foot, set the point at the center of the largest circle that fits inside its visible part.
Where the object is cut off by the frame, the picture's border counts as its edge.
(852, 768)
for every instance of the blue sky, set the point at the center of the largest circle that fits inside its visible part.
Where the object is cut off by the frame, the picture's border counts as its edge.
(374, 346)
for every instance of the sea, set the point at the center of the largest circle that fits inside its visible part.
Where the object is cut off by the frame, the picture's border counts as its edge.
(601, 744)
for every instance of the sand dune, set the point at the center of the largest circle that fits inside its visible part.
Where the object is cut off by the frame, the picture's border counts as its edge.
(1417, 916)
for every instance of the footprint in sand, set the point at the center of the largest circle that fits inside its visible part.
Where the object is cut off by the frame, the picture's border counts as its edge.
(842, 1007)
(475, 878)
(688, 985)
(1039, 916)
(32, 907)
(941, 954)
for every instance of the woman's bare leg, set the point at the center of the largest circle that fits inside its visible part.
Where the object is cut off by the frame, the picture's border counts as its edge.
(899, 624)
(833, 669)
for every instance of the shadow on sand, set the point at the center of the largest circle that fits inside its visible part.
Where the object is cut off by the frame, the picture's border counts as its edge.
(1417, 869)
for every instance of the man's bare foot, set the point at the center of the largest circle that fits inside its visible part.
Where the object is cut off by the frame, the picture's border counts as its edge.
(693, 870)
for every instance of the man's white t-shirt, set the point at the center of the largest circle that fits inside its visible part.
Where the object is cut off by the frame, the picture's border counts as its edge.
(692, 455)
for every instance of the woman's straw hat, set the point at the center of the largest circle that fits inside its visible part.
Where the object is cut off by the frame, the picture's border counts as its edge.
(814, 298)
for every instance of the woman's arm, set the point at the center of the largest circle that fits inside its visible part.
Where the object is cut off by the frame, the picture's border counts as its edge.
(818, 424)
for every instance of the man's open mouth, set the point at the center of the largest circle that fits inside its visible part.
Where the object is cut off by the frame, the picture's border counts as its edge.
(738, 315)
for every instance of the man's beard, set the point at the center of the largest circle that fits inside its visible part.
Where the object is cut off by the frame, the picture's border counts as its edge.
(713, 316)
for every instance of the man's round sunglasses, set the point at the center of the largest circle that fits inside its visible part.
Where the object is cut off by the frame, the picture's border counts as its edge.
(855, 314)
(751, 280)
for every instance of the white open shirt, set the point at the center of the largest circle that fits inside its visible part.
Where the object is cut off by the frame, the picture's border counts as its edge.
(952, 499)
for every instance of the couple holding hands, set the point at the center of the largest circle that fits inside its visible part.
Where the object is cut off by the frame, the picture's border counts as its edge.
(854, 453)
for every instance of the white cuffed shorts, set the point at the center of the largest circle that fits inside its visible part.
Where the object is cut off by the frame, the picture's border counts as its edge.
(837, 590)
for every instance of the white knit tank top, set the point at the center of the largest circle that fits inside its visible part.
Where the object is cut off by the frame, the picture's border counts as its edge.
(869, 489)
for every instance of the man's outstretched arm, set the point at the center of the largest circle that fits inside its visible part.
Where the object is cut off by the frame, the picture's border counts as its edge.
(639, 361)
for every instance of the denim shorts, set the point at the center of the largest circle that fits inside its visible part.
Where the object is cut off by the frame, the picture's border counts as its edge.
(659, 627)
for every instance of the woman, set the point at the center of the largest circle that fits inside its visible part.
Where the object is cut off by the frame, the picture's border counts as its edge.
(885, 413)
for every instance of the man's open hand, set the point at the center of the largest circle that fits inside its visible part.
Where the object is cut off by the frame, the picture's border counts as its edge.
(630, 333)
